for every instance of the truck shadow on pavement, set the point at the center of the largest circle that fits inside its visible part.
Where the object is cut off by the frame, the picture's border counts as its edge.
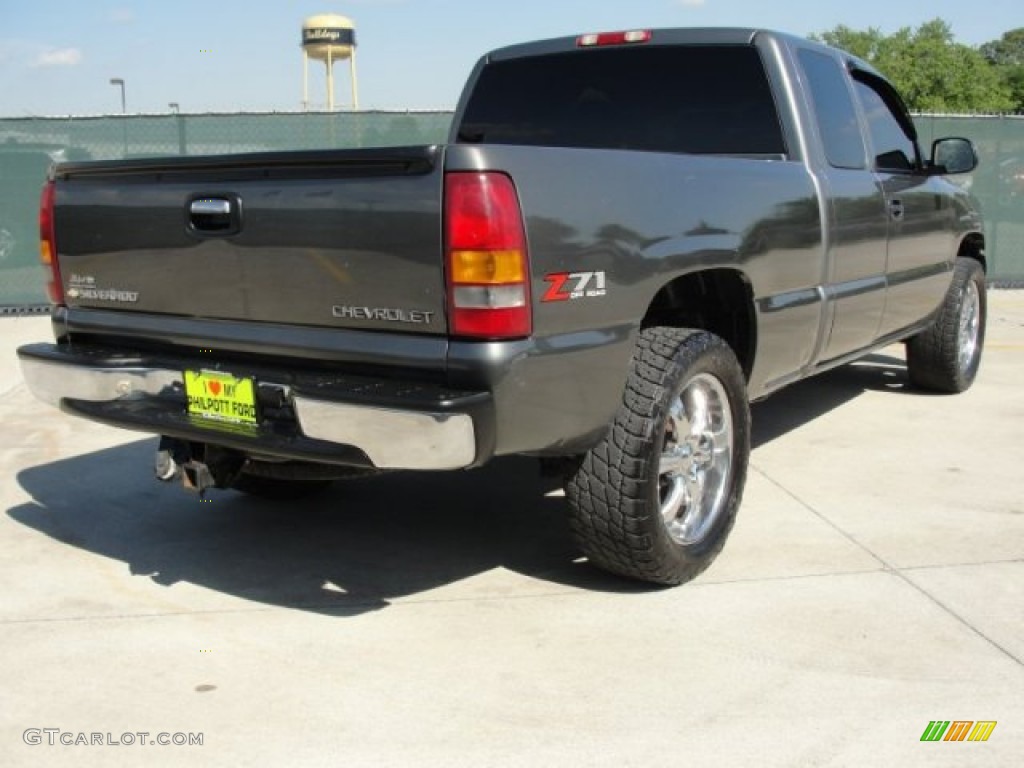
(801, 403)
(362, 542)
(345, 551)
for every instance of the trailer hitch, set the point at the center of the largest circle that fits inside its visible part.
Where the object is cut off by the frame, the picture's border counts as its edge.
(197, 465)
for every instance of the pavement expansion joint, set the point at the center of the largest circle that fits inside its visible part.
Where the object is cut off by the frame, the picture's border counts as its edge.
(11, 390)
(821, 516)
(889, 567)
(971, 564)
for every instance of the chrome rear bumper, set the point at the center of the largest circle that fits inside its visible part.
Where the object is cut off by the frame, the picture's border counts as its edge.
(138, 393)
(392, 439)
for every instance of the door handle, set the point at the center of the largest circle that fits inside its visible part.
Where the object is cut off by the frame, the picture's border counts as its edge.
(896, 209)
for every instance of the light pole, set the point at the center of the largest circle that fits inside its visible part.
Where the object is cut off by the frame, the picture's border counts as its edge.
(180, 119)
(120, 82)
(124, 122)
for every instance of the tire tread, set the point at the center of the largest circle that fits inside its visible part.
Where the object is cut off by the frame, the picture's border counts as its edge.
(609, 493)
(933, 354)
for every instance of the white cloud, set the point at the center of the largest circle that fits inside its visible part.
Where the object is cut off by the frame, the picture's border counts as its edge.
(121, 16)
(58, 57)
(690, 3)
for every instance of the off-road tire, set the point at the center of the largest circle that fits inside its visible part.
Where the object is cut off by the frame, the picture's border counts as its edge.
(945, 357)
(615, 494)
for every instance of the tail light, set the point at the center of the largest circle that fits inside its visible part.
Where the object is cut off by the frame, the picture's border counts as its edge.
(48, 244)
(488, 270)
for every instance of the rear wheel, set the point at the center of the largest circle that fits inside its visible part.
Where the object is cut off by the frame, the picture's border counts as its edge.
(656, 499)
(945, 357)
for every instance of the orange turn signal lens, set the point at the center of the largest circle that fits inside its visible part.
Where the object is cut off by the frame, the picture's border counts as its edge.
(488, 267)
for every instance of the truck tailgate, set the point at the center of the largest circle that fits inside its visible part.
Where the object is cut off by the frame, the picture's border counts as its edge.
(346, 239)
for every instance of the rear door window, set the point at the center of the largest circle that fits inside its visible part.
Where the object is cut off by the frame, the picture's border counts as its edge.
(834, 110)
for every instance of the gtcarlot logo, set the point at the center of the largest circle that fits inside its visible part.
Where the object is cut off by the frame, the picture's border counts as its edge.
(55, 737)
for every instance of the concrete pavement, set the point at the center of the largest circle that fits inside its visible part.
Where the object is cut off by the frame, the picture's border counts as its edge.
(874, 583)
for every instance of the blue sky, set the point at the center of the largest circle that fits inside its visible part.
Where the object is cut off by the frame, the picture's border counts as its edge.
(58, 56)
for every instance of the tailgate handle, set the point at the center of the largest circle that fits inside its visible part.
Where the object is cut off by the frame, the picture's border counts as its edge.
(211, 208)
(213, 215)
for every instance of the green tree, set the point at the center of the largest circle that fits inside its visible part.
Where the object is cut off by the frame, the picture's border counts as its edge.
(1007, 55)
(864, 44)
(931, 70)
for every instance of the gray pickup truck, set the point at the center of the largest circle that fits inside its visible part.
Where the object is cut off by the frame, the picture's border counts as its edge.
(628, 237)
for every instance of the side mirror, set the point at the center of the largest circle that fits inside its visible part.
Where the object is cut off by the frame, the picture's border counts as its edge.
(954, 155)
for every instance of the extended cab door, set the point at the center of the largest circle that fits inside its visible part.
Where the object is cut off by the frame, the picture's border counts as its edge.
(856, 222)
(921, 242)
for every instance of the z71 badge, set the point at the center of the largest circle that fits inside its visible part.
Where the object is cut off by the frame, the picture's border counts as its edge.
(566, 286)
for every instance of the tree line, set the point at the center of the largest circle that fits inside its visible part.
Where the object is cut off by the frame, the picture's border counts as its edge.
(934, 73)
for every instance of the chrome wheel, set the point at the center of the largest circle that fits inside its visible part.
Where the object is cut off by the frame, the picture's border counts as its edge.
(946, 355)
(656, 498)
(970, 325)
(697, 458)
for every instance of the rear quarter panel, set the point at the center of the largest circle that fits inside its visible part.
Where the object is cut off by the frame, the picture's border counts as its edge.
(641, 220)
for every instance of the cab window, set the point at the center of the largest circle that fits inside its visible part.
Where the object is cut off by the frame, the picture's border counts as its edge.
(894, 150)
(699, 99)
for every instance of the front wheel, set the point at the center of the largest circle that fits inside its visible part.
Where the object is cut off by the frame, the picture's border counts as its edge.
(656, 498)
(945, 356)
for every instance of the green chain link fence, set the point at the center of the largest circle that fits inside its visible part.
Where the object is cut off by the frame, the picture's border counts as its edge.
(29, 145)
(998, 184)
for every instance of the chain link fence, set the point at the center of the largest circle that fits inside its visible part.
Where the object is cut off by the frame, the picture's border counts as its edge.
(29, 145)
(998, 184)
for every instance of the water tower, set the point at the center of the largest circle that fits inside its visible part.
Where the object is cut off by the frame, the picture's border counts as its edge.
(329, 38)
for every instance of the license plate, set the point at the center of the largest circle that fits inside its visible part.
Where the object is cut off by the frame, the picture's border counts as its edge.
(220, 397)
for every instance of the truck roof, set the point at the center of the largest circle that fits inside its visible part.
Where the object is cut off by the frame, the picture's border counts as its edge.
(673, 36)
